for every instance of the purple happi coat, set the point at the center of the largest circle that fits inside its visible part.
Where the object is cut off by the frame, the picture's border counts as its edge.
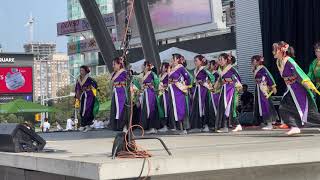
(178, 76)
(296, 89)
(164, 82)
(226, 113)
(117, 115)
(199, 99)
(85, 94)
(229, 78)
(200, 90)
(305, 112)
(149, 94)
(264, 82)
(149, 116)
(119, 91)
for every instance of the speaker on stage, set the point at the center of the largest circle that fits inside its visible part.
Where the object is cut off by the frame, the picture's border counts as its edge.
(18, 138)
(248, 119)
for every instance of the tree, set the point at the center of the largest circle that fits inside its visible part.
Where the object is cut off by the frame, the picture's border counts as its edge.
(12, 118)
(105, 87)
(67, 104)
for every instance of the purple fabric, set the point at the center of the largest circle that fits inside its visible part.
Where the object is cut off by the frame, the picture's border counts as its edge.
(165, 81)
(151, 96)
(149, 79)
(201, 76)
(89, 105)
(229, 88)
(264, 73)
(121, 93)
(299, 91)
(86, 96)
(264, 102)
(179, 102)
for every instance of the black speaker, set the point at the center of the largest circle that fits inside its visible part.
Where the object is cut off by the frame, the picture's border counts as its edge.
(248, 119)
(18, 138)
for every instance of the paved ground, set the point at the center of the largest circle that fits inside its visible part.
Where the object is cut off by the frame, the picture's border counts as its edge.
(87, 155)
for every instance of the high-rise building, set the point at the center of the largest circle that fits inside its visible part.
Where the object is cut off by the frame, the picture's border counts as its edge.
(51, 75)
(40, 50)
(90, 59)
(42, 53)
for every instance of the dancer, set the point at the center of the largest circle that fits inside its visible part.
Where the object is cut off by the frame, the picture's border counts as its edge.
(164, 96)
(85, 91)
(265, 87)
(190, 89)
(118, 118)
(213, 95)
(231, 85)
(199, 96)
(314, 70)
(297, 107)
(135, 96)
(179, 81)
(149, 116)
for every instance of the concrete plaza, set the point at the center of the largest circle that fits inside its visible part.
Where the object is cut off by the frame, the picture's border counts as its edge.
(244, 155)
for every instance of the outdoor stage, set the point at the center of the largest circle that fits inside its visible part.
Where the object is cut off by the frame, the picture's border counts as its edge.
(247, 155)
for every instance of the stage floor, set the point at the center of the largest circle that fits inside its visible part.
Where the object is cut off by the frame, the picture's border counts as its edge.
(87, 155)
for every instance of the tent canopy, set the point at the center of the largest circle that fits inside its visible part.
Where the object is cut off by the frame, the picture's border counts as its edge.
(165, 56)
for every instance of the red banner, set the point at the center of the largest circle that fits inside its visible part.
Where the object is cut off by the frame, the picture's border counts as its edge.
(16, 80)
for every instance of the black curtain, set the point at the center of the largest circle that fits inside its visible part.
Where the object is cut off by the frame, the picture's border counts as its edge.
(296, 22)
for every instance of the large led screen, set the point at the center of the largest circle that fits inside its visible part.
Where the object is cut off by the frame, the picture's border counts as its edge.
(166, 15)
(16, 80)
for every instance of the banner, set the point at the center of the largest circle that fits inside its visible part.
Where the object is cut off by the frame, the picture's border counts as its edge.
(87, 45)
(80, 25)
(16, 80)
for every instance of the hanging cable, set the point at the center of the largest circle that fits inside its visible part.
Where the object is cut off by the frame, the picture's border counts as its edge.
(125, 41)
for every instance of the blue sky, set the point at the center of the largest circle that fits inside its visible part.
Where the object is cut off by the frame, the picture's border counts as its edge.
(14, 14)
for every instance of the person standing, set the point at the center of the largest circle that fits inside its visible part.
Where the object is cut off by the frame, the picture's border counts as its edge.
(297, 107)
(164, 96)
(149, 116)
(179, 82)
(188, 95)
(118, 118)
(314, 70)
(214, 94)
(228, 100)
(265, 87)
(46, 125)
(85, 91)
(198, 119)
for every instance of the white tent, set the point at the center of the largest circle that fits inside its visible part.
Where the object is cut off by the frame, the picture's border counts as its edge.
(215, 55)
(165, 56)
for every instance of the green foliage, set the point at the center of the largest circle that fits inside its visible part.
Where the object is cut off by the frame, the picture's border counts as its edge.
(105, 87)
(11, 118)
